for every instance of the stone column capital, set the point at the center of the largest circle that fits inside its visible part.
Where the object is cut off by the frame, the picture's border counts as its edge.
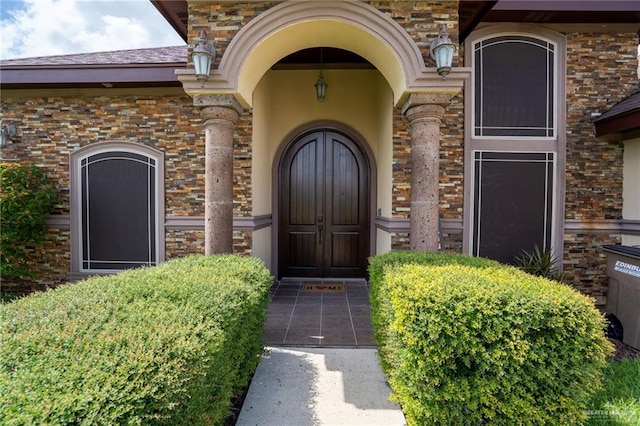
(441, 99)
(219, 115)
(221, 101)
(425, 113)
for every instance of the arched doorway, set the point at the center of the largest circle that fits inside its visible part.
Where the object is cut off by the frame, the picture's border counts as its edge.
(324, 200)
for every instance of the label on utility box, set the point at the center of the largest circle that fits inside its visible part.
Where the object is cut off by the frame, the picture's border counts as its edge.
(627, 268)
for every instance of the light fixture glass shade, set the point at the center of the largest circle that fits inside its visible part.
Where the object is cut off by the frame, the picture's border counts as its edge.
(442, 50)
(203, 56)
(321, 88)
(6, 133)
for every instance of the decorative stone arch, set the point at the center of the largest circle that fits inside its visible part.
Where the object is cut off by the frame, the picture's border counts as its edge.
(295, 25)
(350, 25)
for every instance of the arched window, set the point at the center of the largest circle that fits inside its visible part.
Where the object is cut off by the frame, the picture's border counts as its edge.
(514, 141)
(117, 207)
(514, 87)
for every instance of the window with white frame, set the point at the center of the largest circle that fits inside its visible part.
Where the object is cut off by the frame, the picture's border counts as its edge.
(117, 192)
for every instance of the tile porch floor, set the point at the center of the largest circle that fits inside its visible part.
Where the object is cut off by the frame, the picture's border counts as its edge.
(296, 318)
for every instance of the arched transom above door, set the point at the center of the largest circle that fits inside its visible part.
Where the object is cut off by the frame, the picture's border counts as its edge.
(296, 25)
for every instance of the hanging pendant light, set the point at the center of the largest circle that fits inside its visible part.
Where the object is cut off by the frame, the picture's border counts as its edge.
(321, 87)
(321, 84)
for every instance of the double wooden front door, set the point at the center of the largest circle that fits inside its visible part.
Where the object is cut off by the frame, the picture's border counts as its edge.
(324, 207)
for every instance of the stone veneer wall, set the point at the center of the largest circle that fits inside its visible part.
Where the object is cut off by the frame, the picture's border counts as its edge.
(49, 262)
(422, 21)
(52, 127)
(601, 71)
(222, 21)
(242, 142)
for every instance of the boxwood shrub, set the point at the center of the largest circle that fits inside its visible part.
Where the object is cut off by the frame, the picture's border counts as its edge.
(164, 345)
(471, 342)
(382, 313)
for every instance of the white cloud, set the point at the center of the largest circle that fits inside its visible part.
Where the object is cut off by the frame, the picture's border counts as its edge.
(56, 27)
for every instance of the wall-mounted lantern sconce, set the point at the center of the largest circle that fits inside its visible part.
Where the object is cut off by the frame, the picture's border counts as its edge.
(203, 56)
(442, 52)
(7, 132)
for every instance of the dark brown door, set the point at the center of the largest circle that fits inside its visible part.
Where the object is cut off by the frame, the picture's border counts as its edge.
(324, 207)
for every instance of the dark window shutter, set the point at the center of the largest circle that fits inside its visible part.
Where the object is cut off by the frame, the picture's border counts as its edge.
(118, 202)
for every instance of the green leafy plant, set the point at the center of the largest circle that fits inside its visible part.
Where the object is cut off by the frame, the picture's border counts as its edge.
(382, 314)
(541, 264)
(27, 198)
(166, 345)
(467, 341)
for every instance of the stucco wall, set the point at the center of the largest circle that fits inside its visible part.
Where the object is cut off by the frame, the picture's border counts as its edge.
(353, 100)
(631, 187)
(285, 104)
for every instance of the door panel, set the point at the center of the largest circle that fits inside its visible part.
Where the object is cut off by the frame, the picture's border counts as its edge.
(302, 249)
(344, 250)
(324, 199)
(300, 187)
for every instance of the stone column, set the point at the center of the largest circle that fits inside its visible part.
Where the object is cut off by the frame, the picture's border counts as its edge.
(425, 114)
(220, 120)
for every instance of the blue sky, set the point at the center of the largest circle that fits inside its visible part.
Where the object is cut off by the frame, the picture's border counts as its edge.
(8, 6)
(30, 28)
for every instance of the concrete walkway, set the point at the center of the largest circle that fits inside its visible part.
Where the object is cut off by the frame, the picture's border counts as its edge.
(319, 386)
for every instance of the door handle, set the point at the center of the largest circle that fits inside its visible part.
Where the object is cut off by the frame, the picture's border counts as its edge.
(320, 228)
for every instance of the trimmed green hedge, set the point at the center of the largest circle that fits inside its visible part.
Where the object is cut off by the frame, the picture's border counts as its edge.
(165, 345)
(382, 311)
(471, 342)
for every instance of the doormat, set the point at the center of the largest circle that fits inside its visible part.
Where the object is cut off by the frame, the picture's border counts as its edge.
(324, 288)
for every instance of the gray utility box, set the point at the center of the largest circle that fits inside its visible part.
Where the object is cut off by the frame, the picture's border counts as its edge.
(623, 299)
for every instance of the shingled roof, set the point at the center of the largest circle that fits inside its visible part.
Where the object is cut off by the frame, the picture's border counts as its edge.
(157, 55)
(121, 68)
(622, 117)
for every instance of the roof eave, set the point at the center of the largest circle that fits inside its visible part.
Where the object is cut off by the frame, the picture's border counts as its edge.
(172, 11)
(34, 76)
(614, 127)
